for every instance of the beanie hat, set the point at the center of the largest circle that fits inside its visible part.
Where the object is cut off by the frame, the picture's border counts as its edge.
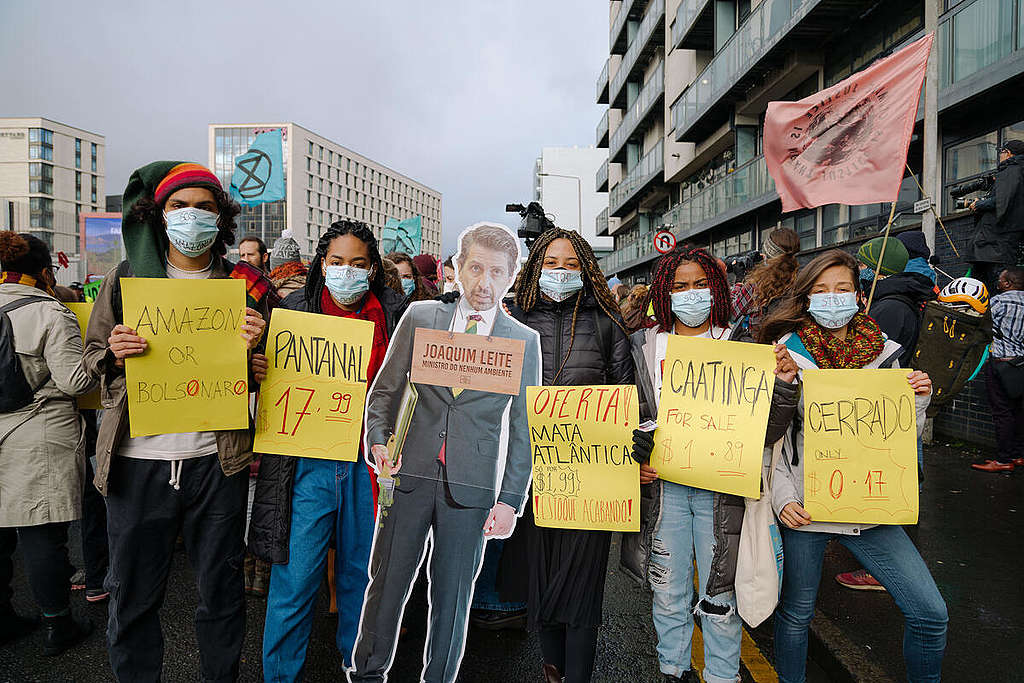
(286, 250)
(893, 261)
(426, 265)
(1014, 147)
(914, 241)
(184, 175)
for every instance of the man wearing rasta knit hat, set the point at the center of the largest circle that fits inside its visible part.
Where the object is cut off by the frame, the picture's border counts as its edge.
(178, 221)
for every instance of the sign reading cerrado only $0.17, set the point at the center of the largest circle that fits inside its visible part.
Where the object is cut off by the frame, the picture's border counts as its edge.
(194, 374)
(583, 474)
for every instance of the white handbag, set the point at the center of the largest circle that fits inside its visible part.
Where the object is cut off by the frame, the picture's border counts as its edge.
(759, 565)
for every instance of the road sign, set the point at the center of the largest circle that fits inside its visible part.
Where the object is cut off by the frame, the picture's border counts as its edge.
(922, 205)
(664, 241)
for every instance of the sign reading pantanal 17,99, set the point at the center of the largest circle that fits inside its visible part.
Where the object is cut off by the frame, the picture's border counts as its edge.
(860, 447)
(311, 403)
(583, 474)
(194, 375)
(713, 414)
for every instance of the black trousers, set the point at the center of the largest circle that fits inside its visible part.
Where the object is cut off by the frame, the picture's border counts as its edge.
(571, 649)
(145, 516)
(44, 550)
(457, 543)
(94, 532)
(1007, 416)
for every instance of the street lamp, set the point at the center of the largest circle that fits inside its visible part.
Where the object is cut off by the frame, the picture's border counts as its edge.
(579, 196)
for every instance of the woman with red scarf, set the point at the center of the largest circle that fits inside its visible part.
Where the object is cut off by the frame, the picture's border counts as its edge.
(822, 326)
(301, 503)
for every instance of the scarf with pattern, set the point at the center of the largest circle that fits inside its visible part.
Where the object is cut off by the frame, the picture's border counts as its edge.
(11, 277)
(864, 342)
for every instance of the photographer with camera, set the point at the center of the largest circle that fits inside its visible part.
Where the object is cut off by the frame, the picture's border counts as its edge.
(999, 226)
(769, 282)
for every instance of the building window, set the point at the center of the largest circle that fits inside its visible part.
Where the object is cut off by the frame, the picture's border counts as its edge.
(78, 186)
(310, 148)
(78, 153)
(40, 144)
(40, 212)
(310, 182)
(94, 160)
(93, 188)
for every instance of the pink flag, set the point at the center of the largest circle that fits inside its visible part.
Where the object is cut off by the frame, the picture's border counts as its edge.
(847, 144)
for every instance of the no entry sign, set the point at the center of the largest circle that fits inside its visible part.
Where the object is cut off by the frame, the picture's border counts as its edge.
(664, 241)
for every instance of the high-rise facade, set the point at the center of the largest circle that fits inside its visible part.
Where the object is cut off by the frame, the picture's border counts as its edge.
(688, 81)
(325, 182)
(563, 184)
(50, 173)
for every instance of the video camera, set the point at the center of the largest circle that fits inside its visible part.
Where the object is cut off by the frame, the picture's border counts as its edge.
(742, 264)
(958, 192)
(535, 221)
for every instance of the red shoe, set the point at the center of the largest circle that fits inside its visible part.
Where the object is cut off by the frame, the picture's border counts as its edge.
(859, 580)
(994, 466)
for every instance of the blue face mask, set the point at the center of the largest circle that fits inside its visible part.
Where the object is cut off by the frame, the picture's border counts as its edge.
(832, 311)
(191, 231)
(408, 285)
(559, 284)
(347, 284)
(692, 307)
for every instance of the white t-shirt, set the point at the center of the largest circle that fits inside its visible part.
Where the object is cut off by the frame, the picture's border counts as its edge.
(661, 348)
(186, 445)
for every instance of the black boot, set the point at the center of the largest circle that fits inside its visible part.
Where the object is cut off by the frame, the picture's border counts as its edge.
(14, 626)
(62, 633)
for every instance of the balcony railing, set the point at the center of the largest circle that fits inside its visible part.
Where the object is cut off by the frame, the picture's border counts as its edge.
(746, 183)
(649, 95)
(620, 21)
(687, 13)
(652, 20)
(646, 170)
(767, 24)
(601, 222)
(975, 35)
(602, 84)
(601, 178)
(602, 130)
(629, 249)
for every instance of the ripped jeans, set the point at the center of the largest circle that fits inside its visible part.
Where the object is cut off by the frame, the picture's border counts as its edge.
(685, 531)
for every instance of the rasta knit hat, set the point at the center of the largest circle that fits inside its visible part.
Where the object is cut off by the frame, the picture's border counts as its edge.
(184, 175)
(894, 260)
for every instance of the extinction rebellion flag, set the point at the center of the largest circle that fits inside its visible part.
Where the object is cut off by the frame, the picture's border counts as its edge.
(259, 173)
(847, 144)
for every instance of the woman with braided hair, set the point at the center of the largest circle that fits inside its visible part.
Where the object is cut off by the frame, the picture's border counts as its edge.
(562, 293)
(301, 503)
(679, 523)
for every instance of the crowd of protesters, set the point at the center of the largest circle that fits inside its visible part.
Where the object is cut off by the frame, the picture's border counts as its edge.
(277, 526)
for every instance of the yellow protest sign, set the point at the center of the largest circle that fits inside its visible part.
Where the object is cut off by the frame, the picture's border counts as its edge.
(713, 413)
(860, 446)
(90, 401)
(193, 376)
(311, 403)
(583, 474)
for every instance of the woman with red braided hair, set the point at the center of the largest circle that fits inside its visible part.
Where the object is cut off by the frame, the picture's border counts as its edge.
(679, 523)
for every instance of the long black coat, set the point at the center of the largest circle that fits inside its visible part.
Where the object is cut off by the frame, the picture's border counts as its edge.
(1000, 217)
(898, 306)
(271, 524)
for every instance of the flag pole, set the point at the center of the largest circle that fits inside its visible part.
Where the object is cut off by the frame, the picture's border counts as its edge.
(931, 207)
(881, 255)
(263, 222)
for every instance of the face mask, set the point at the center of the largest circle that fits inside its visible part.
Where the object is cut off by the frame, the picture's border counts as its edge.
(408, 285)
(559, 284)
(832, 311)
(448, 287)
(347, 284)
(692, 307)
(191, 231)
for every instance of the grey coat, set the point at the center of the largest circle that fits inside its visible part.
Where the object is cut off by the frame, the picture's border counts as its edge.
(728, 509)
(470, 424)
(42, 463)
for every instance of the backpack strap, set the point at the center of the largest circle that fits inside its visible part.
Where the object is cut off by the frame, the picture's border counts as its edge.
(24, 301)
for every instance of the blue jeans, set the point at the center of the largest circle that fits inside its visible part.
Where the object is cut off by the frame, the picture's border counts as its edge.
(485, 593)
(889, 555)
(329, 498)
(686, 530)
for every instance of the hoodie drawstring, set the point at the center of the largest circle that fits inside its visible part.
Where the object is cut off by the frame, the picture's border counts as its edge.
(175, 479)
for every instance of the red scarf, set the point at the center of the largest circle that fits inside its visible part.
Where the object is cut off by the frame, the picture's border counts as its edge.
(864, 342)
(12, 277)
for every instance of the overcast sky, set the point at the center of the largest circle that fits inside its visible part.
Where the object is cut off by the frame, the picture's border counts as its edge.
(458, 94)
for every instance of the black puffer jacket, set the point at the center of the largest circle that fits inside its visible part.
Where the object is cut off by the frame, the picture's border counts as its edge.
(600, 349)
(898, 306)
(999, 225)
(271, 522)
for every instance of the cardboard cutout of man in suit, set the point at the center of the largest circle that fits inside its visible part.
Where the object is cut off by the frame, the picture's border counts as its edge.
(453, 485)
